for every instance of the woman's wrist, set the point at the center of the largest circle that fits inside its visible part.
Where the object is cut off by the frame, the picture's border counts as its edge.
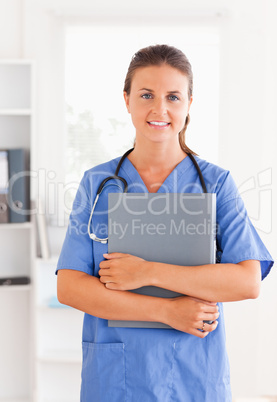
(152, 279)
(162, 306)
(160, 311)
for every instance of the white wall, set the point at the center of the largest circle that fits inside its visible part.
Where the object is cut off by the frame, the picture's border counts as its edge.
(11, 28)
(248, 126)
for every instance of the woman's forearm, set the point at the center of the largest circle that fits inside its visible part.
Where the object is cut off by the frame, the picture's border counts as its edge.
(86, 293)
(213, 282)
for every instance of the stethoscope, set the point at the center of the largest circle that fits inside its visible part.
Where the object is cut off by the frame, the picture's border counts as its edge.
(125, 189)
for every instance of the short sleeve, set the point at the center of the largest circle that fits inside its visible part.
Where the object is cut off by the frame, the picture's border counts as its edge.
(77, 250)
(237, 238)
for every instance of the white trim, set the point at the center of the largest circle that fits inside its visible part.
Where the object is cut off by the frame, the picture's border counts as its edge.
(139, 13)
(16, 226)
(16, 112)
(58, 356)
(22, 62)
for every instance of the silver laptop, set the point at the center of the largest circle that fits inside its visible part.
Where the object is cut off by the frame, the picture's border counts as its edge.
(173, 228)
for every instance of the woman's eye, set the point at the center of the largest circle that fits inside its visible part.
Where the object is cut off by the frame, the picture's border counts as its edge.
(146, 96)
(173, 97)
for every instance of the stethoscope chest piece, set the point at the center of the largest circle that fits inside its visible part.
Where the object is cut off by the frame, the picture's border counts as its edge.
(99, 191)
(101, 187)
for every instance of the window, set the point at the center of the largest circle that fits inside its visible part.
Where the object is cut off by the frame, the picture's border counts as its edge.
(97, 57)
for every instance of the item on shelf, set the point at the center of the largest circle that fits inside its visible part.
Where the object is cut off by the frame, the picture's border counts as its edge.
(4, 188)
(14, 186)
(43, 243)
(15, 280)
(19, 194)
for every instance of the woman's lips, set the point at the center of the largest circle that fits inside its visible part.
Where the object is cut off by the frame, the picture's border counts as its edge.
(158, 124)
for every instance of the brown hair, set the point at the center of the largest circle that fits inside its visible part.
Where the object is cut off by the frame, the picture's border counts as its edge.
(156, 56)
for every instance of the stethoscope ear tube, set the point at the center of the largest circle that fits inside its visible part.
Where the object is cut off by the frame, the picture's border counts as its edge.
(122, 160)
(115, 177)
(199, 173)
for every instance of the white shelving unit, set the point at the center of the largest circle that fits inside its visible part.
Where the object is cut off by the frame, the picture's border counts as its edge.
(17, 241)
(41, 339)
(58, 340)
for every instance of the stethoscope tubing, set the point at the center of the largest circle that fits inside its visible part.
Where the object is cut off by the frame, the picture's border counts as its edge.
(125, 189)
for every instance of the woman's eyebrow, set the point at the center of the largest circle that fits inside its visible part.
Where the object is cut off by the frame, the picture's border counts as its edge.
(169, 92)
(175, 92)
(146, 89)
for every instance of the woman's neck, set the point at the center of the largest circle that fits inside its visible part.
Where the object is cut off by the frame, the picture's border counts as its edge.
(156, 158)
(155, 163)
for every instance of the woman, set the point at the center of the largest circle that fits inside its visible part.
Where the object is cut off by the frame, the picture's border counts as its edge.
(188, 362)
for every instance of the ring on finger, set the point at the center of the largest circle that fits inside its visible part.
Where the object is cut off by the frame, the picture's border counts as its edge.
(203, 328)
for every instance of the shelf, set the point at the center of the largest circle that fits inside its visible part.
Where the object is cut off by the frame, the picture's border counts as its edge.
(15, 288)
(57, 400)
(15, 400)
(58, 356)
(257, 399)
(46, 261)
(16, 62)
(25, 225)
(44, 308)
(15, 112)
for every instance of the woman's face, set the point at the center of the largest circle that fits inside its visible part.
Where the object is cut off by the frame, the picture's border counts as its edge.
(158, 103)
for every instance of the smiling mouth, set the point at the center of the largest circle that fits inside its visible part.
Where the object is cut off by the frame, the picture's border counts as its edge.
(158, 123)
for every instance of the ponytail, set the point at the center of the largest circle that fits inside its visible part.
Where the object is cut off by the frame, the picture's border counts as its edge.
(182, 138)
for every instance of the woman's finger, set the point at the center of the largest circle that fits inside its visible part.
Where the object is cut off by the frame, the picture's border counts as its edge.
(103, 272)
(206, 308)
(110, 256)
(211, 317)
(105, 279)
(205, 327)
(105, 264)
(207, 330)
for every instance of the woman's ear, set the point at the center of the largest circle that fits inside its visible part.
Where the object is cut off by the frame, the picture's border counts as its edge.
(126, 98)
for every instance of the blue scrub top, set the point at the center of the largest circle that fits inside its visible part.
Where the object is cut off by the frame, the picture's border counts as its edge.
(130, 364)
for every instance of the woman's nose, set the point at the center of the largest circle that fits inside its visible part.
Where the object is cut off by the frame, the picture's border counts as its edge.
(159, 106)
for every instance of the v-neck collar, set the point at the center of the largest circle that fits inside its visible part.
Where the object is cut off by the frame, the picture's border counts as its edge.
(170, 184)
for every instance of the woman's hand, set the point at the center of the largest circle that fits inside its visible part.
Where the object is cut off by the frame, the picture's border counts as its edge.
(123, 271)
(187, 314)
